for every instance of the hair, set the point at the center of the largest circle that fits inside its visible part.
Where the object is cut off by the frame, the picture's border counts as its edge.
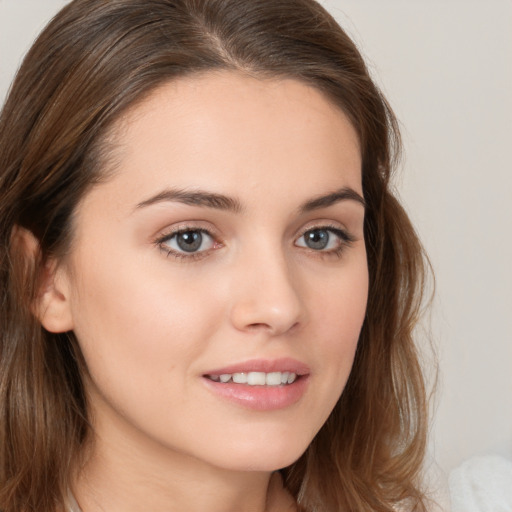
(95, 60)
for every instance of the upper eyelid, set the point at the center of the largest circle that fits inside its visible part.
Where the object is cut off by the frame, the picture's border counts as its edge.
(199, 225)
(172, 234)
(181, 227)
(328, 226)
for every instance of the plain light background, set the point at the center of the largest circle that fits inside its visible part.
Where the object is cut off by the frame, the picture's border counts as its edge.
(446, 67)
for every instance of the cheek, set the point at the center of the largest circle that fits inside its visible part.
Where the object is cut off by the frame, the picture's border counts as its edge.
(340, 312)
(134, 325)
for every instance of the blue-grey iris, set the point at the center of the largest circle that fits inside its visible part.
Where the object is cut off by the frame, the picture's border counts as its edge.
(189, 241)
(316, 239)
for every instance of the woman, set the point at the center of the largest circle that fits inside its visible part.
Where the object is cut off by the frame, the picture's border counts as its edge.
(208, 289)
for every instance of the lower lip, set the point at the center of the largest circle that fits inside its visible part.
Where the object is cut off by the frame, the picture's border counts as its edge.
(260, 398)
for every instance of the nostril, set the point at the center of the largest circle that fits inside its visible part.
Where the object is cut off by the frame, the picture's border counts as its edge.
(259, 326)
(274, 328)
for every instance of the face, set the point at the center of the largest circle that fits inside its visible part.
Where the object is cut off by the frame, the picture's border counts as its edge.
(217, 282)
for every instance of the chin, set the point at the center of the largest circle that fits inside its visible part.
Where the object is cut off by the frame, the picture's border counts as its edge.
(263, 466)
(270, 456)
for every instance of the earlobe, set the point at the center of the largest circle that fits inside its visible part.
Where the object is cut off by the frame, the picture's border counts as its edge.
(51, 303)
(53, 308)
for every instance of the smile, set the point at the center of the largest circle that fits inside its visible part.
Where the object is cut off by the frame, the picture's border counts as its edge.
(256, 378)
(260, 384)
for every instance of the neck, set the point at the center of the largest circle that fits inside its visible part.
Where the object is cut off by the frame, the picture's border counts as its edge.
(138, 484)
(123, 476)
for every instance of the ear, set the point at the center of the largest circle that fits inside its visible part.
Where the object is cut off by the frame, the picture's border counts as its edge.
(52, 305)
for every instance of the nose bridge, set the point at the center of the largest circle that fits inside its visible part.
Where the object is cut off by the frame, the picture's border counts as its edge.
(267, 295)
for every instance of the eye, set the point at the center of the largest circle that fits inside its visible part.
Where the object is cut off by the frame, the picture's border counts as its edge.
(187, 241)
(324, 239)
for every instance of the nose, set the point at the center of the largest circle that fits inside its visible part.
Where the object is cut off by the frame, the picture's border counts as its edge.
(266, 296)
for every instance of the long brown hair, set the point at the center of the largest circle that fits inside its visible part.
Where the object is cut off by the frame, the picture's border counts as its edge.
(96, 59)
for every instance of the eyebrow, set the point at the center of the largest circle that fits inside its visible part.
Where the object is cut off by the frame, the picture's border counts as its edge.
(195, 198)
(324, 201)
(222, 202)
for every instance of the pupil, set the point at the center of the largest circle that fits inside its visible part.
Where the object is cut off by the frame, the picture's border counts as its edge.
(317, 239)
(189, 241)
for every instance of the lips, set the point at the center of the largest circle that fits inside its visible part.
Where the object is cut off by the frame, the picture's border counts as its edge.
(262, 385)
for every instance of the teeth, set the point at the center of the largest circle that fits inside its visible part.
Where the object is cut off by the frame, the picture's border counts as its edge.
(273, 379)
(256, 378)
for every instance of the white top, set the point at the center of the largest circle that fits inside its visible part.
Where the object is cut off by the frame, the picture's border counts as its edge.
(73, 505)
(482, 484)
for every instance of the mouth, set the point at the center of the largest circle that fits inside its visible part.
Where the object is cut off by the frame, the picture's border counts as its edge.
(255, 378)
(260, 385)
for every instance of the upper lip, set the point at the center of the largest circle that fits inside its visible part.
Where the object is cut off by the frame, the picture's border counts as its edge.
(264, 365)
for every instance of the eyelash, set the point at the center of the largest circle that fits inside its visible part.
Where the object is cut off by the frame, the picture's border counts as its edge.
(191, 256)
(345, 240)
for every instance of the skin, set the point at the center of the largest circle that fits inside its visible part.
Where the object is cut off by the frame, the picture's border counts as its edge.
(151, 324)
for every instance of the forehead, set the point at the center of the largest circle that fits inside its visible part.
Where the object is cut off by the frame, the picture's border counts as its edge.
(236, 133)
